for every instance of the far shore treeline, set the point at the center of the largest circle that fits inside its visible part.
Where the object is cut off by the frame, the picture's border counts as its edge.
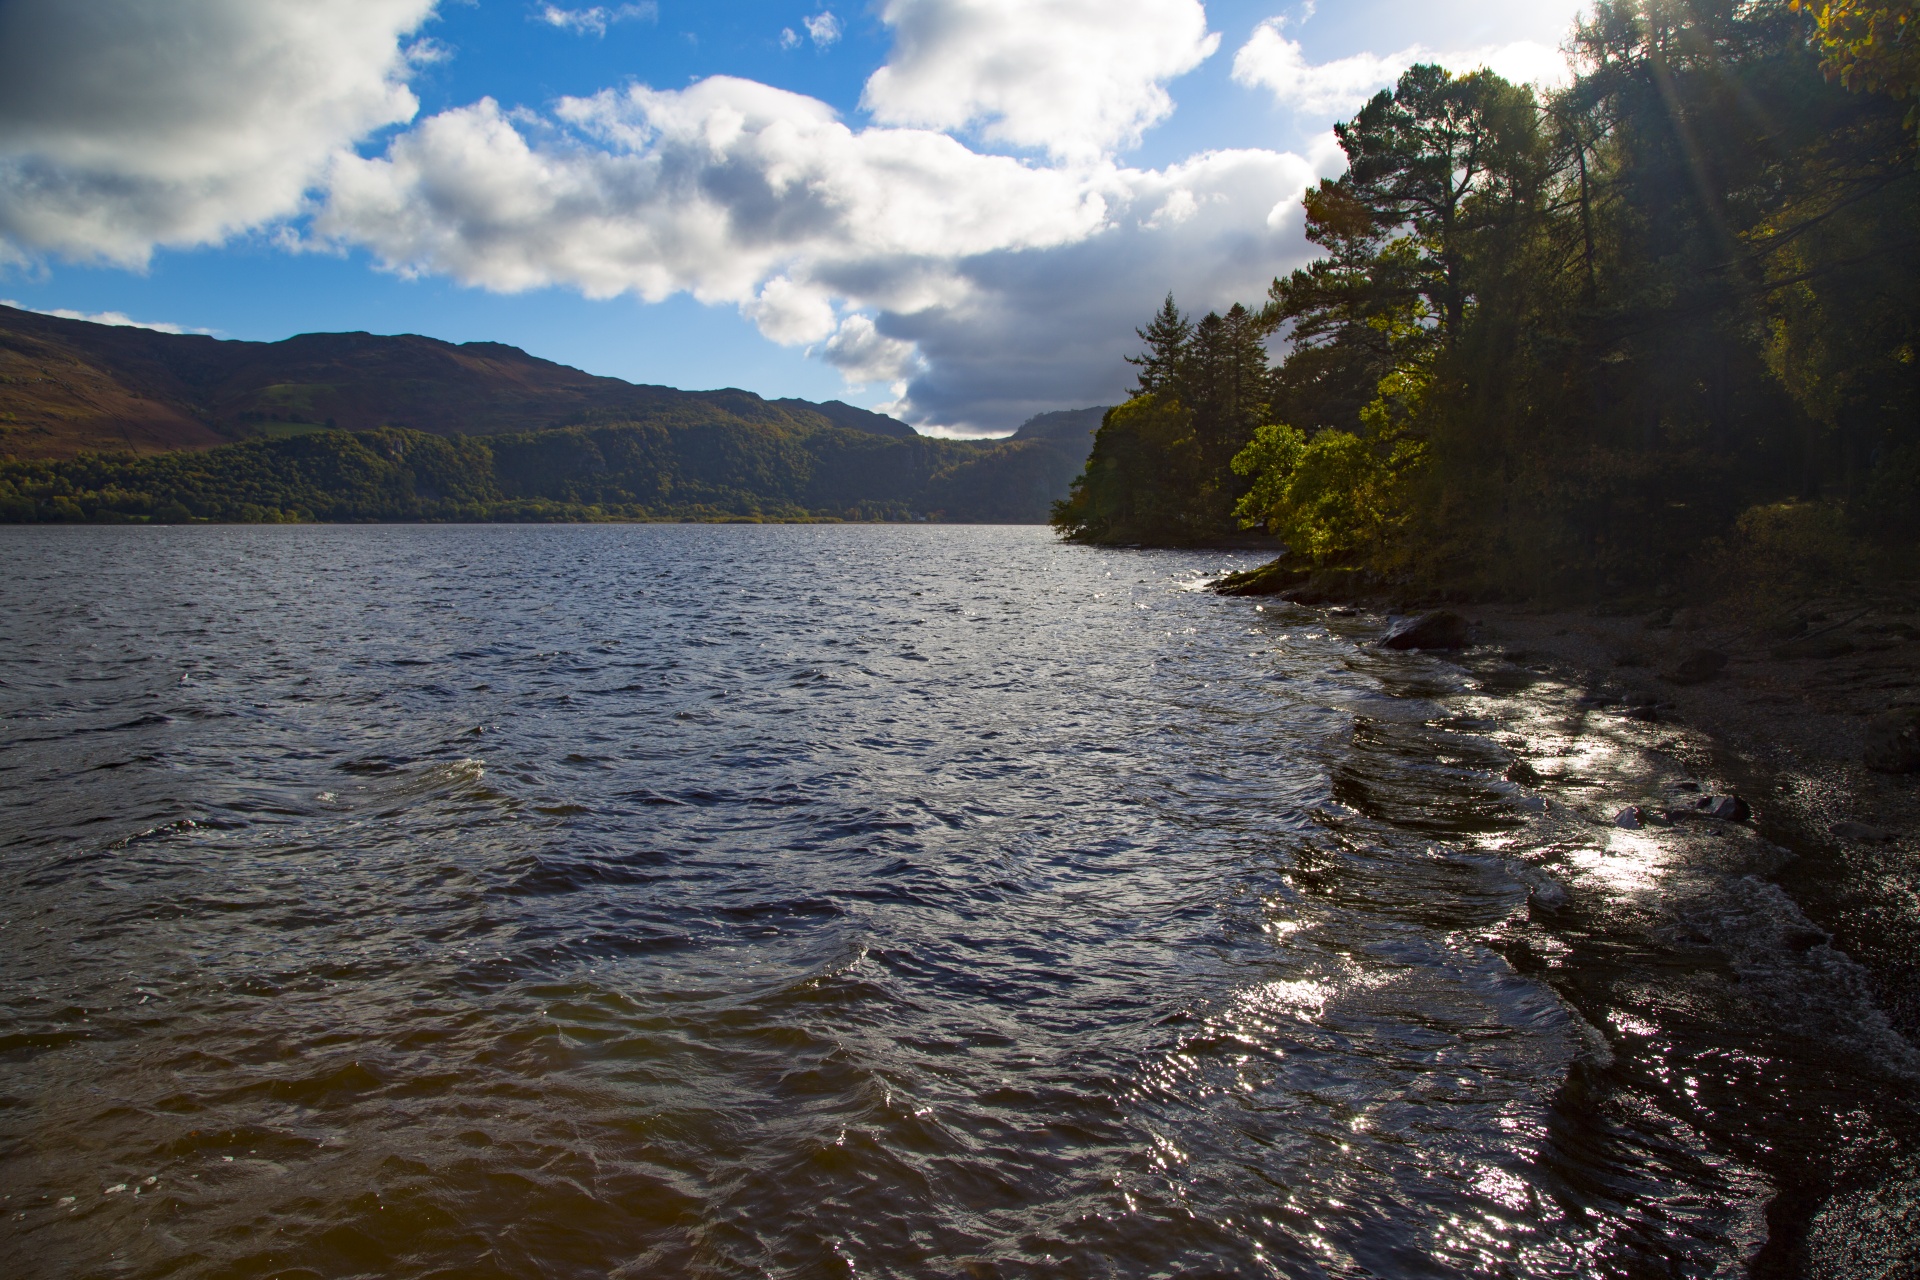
(104, 424)
(1658, 326)
(711, 470)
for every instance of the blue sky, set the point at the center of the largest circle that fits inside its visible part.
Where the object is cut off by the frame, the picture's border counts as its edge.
(966, 238)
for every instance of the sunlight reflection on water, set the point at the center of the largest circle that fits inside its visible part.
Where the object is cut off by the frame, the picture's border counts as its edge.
(824, 901)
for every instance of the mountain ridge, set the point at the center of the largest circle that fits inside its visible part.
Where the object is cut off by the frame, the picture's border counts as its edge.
(74, 386)
(108, 423)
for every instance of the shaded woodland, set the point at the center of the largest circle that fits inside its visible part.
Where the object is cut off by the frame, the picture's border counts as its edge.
(1656, 326)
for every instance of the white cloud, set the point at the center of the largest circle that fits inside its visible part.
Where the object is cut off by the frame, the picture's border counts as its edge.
(789, 38)
(1075, 78)
(824, 28)
(1047, 330)
(981, 288)
(118, 319)
(710, 190)
(1271, 61)
(596, 20)
(790, 313)
(126, 124)
(995, 288)
(865, 355)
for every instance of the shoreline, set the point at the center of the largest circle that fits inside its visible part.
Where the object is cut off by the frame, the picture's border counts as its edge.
(1791, 731)
(1802, 923)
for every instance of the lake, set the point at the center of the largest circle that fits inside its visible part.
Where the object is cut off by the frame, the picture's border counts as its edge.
(720, 901)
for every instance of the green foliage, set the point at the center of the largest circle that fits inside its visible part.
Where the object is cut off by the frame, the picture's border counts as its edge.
(1161, 470)
(1560, 346)
(1871, 46)
(650, 471)
(1141, 480)
(1337, 495)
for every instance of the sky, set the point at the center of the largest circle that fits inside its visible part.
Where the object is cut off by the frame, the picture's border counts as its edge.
(956, 211)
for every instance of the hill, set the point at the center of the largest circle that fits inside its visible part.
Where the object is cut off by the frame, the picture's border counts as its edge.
(99, 423)
(70, 386)
(1070, 429)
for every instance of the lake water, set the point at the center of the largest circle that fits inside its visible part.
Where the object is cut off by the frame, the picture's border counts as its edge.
(869, 901)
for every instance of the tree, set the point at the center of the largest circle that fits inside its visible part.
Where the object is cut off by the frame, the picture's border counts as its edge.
(1452, 159)
(1166, 336)
(1871, 47)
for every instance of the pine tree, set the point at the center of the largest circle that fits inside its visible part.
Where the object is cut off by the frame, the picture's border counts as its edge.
(1167, 339)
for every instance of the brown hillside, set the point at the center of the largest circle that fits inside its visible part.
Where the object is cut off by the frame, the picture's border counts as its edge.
(69, 386)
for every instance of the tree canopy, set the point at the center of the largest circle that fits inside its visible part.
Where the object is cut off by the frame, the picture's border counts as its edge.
(1557, 343)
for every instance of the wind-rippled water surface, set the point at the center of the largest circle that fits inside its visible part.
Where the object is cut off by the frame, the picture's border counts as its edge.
(842, 901)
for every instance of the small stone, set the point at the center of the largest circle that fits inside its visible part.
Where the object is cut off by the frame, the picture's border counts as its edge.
(1697, 667)
(1726, 808)
(1442, 629)
(1629, 818)
(1861, 832)
(1893, 741)
(1548, 894)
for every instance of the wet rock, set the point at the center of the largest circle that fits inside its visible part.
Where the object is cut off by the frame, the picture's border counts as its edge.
(1697, 667)
(1267, 580)
(1815, 647)
(1333, 586)
(1442, 629)
(1893, 741)
(1725, 808)
(1861, 832)
(1548, 895)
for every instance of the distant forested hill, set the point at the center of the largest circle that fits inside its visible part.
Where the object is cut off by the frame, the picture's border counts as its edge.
(108, 424)
(69, 386)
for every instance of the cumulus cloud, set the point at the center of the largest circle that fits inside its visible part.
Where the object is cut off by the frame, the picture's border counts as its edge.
(1075, 78)
(992, 287)
(1040, 331)
(865, 355)
(119, 319)
(711, 190)
(126, 124)
(824, 28)
(980, 288)
(1271, 61)
(596, 20)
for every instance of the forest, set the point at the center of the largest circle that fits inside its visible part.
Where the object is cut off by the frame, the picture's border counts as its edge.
(710, 468)
(1656, 328)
